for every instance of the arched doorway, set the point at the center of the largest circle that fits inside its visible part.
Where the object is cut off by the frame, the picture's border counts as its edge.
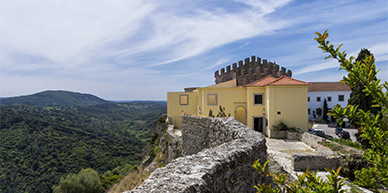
(241, 114)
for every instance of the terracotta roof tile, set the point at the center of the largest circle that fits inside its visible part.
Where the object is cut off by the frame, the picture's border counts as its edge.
(328, 86)
(272, 81)
(262, 82)
(285, 80)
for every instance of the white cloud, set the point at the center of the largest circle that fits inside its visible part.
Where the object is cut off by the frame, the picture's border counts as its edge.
(143, 43)
(65, 31)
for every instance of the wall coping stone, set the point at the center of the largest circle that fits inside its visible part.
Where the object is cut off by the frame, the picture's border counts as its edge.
(222, 164)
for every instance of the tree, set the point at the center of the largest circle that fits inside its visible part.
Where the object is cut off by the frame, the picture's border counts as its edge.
(374, 125)
(319, 112)
(325, 110)
(86, 181)
(357, 96)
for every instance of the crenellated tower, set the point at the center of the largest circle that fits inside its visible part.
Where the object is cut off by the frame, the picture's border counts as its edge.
(250, 70)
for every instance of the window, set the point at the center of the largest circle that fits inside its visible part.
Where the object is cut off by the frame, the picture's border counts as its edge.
(341, 98)
(183, 99)
(258, 99)
(329, 99)
(308, 111)
(212, 99)
(318, 99)
(308, 99)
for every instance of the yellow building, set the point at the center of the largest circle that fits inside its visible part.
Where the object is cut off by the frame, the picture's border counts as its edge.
(259, 104)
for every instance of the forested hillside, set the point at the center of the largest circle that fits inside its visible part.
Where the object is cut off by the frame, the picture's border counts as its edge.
(41, 144)
(55, 98)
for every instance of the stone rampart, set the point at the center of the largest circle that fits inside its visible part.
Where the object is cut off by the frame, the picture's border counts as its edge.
(219, 157)
(250, 70)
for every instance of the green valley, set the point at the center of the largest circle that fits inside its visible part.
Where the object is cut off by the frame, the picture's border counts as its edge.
(41, 144)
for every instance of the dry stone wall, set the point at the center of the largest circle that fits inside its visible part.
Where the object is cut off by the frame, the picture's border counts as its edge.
(219, 157)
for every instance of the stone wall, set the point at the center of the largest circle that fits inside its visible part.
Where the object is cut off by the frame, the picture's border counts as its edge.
(250, 70)
(219, 157)
(316, 142)
(302, 162)
(326, 157)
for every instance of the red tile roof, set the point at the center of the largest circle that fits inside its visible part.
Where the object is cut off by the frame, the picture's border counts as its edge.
(272, 81)
(328, 86)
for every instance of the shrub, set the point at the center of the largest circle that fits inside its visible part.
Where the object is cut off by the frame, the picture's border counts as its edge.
(222, 113)
(307, 182)
(162, 119)
(366, 177)
(86, 181)
(351, 163)
(211, 113)
(280, 127)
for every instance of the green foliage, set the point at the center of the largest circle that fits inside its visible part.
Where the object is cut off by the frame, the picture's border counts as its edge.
(325, 111)
(162, 119)
(86, 181)
(348, 142)
(113, 176)
(211, 113)
(280, 127)
(366, 178)
(55, 98)
(307, 182)
(319, 112)
(374, 125)
(39, 145)
(154, 150)
(283, 127)
(221, 112)
(357, 96)
(351, 163)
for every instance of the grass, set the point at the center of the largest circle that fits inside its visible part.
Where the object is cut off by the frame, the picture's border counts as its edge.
(348, 143)
(338, 148)
(332, 146)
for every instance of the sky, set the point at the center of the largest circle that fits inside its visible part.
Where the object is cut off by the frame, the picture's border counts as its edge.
(142, 49)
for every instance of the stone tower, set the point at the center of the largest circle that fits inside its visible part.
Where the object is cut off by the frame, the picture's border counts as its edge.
(250, 70)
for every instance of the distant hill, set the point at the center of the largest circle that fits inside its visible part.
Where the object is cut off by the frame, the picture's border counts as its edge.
(55, 98)
(39, 145)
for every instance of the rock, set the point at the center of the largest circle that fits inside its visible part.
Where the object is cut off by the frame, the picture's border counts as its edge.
(219, 153)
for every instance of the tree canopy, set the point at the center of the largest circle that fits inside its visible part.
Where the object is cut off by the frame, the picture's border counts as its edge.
(39, 145)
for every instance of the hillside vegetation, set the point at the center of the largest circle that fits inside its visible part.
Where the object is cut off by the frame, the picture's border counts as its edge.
(41, 144)
(55, 98)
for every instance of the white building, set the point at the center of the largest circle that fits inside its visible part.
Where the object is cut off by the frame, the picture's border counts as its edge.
(334, 93)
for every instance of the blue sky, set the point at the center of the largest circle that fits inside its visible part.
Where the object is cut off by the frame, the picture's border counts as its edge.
(142, 49)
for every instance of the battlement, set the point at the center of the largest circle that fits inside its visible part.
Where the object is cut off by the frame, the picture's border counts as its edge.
(252, 69)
